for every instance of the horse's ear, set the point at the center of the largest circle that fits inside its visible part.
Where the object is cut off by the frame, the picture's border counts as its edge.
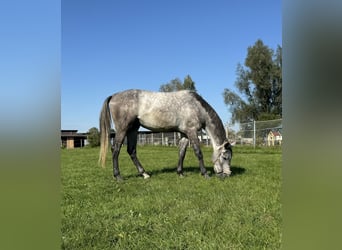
(227, 145)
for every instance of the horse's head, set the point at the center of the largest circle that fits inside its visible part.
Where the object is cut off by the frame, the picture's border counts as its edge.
(222, 157)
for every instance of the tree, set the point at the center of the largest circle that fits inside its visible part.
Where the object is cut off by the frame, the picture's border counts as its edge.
(176, 84)
(189, 83)
(93, 137)
(260, 83)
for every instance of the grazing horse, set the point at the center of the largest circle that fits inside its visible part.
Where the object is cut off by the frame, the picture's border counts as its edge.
(182, 111)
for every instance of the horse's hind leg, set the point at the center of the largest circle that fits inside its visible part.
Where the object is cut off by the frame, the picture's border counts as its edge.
(183, 145)
(132, 137)
(118, 140)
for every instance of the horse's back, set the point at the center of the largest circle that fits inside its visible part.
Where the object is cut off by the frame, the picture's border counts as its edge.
(168, 110)
(126, 96)
(148, 99)
(157, 111)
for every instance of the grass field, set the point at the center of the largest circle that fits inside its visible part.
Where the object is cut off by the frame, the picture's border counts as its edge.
(168, 212)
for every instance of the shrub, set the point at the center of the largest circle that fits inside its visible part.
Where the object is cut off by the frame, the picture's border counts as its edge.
(93, 137)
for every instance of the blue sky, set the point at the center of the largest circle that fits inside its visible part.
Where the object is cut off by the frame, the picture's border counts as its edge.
(109, 46)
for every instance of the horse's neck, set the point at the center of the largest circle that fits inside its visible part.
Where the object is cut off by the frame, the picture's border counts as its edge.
(213, 123)
(216, 133)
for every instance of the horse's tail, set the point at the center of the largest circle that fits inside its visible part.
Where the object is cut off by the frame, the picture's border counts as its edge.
(105, 126)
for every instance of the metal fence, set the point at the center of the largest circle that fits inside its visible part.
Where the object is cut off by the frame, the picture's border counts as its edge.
(260, 133)
(255, 133)
(167, 138)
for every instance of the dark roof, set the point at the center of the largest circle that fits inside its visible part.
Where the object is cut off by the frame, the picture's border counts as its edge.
(69, 131)
(72, 133)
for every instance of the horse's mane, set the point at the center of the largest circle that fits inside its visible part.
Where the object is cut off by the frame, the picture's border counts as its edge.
(212, 115)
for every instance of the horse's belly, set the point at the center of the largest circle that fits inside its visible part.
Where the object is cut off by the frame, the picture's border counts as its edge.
(157, 121)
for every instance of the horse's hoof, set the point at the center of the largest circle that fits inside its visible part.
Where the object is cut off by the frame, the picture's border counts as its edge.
(118, 178)
(206, 176)
(181, 175)
(146, 176)
(222, 175)
(227, 173)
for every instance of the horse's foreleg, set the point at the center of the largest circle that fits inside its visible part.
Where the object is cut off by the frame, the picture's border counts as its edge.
(183, 145)
(132, 151)
(198, 153)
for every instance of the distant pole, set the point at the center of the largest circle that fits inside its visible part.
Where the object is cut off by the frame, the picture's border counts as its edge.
(254, 134)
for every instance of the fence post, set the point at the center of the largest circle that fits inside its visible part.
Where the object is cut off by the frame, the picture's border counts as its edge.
(254, 139)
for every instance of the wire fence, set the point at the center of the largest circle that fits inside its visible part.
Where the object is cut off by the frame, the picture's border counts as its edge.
(255, 133)
(258, 133)
(167, 138)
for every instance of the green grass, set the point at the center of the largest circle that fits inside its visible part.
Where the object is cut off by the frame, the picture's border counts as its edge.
(168, 212)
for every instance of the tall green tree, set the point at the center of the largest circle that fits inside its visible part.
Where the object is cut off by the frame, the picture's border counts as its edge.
(188, 83)
(93, 137)
(176, 84)
(259, 82)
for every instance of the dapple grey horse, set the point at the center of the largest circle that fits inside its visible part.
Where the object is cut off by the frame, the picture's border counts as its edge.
(182, 111)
